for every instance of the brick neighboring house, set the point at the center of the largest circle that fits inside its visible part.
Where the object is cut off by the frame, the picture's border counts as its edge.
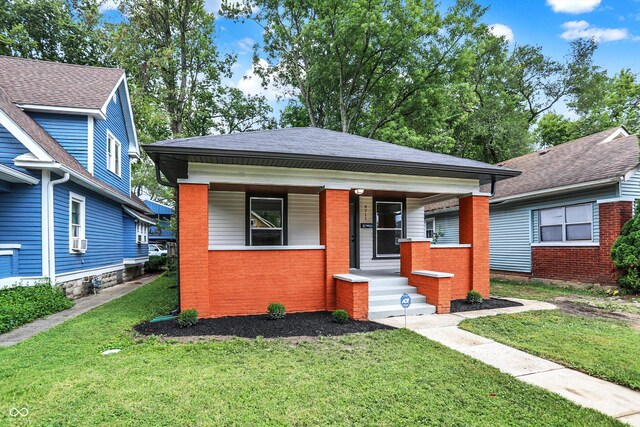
(319, 220)
(559, 218)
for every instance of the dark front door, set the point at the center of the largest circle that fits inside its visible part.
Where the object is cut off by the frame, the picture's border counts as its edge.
(353, 234)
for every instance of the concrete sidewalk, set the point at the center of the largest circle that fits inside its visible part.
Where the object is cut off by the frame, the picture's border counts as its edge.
(611, 399)
(82, 305)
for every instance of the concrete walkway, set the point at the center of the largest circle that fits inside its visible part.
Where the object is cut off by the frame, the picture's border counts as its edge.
(611, 399)
(82, 305)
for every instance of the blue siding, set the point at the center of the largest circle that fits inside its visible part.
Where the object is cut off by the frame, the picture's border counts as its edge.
(11, 148)
(631, 187)
(104, 230)
(69, 131)
(129, 246)
(116, 124)
(447, 223)
(158, 208)
(21, 223)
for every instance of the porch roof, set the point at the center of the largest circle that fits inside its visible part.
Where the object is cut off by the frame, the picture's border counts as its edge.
(314, 148)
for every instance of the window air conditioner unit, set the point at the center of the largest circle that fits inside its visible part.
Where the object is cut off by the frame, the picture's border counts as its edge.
(141, 238)
(78, 245)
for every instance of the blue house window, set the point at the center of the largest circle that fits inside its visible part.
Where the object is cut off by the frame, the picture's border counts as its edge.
(114, 150)
(77, 241)
(566, 223)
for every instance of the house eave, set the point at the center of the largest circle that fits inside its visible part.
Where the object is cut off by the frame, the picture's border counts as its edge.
(94, 112)
(557, 190)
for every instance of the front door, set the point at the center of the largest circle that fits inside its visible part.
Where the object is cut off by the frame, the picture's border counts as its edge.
(353, 234)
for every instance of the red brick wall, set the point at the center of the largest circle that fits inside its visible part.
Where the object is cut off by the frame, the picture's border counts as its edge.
(334, 234)
(437, 291)
(245, 282)
(414, 256)
(354, 298)
(589, 264)
(193, 216)
(458, 262)
(474, 230)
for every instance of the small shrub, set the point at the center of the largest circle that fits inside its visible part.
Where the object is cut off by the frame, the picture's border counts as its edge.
(24, 304)
(339, 316)
(625, 254)
(275, 310)
(172, 263)
(188, 318)
(155, 264)
(474, 297)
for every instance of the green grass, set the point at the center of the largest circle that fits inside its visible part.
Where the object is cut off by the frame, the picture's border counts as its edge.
(537, 290)
(603, 348)
(24, 304)
(391, 377)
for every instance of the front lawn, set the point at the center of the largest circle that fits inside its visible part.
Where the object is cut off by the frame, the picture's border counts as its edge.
(391, 377)
(604, 348)
(538, 290)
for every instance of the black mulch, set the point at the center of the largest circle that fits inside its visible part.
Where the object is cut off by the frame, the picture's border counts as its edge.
(458, 305)
(293, 325)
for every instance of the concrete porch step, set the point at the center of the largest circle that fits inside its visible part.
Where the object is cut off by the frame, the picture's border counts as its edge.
(388, 281)
(416, 309)
(391, 299)
(391, 290)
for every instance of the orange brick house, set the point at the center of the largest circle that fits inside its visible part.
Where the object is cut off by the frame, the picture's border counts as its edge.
(319, 220)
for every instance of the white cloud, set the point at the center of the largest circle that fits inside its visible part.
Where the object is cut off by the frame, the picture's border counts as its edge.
(251, 84)
(582, 29)
(501, 30)
(573, 6)
(246, 44)
(108, 5)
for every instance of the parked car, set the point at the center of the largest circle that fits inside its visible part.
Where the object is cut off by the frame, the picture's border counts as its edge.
(157, 250)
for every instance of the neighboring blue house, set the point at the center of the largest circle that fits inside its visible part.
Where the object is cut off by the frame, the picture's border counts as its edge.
(161, 232)
(67, 139)
(559, 218)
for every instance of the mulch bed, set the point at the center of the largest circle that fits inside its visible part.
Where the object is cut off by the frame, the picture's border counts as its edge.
(293, 325)
(459, 305)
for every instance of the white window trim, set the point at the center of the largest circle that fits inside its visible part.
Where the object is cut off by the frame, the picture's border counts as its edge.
(117, 155)
(564, 226)
(74, 197)
(433, 230)
(251, 227)
(142, 229)
(376, 229)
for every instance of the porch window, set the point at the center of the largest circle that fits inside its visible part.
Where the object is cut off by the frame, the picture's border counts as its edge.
(389, 226)
(567, 223)
(266, 221)
(430, 227)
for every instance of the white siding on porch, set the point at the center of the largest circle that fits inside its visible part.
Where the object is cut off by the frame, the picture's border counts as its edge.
(366, 240)
(226, 218)
(304, 219)
(415, 219)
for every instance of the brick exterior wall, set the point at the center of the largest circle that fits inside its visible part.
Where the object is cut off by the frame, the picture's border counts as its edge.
(414, 256)
(437, 291)
(458, 262)
(334, 235)
(474, 230)
(246, 281)
(354, 298)
(588, 264)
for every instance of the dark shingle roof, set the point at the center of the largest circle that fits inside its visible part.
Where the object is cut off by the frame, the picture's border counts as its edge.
(29, 81)
(320, 145)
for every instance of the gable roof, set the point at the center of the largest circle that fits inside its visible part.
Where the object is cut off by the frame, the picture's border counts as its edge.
(592, 158)
(45, 83)
(315, 148)
(46, 149)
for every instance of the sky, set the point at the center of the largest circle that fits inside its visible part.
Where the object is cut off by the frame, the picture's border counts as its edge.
(552, 24)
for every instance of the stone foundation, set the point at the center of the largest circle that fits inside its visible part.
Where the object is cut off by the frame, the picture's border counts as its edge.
(79, 288)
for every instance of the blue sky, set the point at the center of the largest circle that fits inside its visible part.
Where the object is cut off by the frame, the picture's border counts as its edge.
(549, 23)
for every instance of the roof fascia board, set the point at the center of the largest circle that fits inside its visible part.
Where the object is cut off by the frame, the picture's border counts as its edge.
(556, 190)
(134, 148)
(627, 176)
(23, 137)
(17, 176)
(137, 215)
(64, 110)
(622, 131)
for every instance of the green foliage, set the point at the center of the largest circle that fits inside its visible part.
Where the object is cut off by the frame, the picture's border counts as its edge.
(24, 304)
(187, 318)
(275, 310)
(625, 254)
(155, 264)
(339, 316)
(172, 263)
(474, 297)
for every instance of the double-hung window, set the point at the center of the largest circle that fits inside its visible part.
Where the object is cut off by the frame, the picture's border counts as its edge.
(430, 227)
(142, 232)
(76, 222)
(114, 153)
(266, 217)
(567, 223)
(389, 228)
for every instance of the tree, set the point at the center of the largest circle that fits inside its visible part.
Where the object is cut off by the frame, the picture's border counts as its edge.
(55, 30)
(625, 253)
(554, 129)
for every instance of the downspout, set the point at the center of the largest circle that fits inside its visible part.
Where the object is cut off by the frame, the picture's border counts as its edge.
(493, 185)
(161, 181)
(51, 225)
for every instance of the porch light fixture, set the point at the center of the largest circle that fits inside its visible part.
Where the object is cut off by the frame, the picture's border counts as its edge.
(359, 191)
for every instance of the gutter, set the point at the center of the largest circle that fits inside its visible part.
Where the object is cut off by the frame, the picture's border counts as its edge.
(51, 242)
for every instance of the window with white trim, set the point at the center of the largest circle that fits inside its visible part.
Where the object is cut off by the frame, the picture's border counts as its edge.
(142, 232)
(566, 223)
(114, 153)
(76, 222)
(266, 221)
(430, 227)
(389, 228)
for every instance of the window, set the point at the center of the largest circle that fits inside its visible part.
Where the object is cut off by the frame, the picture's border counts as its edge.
(142, 232)
(76, 223)
(266, 220)
(114, 153)
(389, 227)
(430, 227)
(567, 223)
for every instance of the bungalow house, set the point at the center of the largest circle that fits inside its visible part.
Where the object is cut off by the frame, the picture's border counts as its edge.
(319, 220)
(66, 211)
(559, 218)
